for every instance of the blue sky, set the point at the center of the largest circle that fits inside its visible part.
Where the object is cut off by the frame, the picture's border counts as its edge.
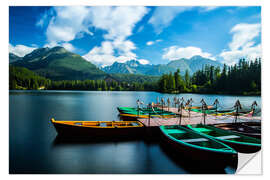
(155, 35)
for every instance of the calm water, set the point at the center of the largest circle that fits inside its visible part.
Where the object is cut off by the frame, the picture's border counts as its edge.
(35, 148)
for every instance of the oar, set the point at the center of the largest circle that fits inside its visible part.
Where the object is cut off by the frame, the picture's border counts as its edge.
(253, 107)
(216, 104)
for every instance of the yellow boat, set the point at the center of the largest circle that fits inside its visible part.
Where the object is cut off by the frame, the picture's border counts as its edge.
(199, 107)
(98, 128)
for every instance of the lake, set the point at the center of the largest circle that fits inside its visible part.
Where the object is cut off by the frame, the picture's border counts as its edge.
(35, 148)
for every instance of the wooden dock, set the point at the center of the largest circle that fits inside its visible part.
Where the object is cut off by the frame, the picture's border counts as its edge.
(194, 118)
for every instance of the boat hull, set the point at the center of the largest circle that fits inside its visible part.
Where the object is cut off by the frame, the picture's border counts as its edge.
(214, 159)
(241, 129)
(241, 147)
(80, 131)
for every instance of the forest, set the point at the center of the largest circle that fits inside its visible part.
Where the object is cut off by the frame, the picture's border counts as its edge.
(242, 78)
(23, 79)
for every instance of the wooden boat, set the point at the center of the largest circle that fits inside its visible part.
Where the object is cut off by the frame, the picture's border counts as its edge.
(98, 128)
(255, 125)
(144, 111)
(124, 109)
(199, 107)
(239, 142)
(242, 128)
(135, 116)
(214, 112)
(196, 146)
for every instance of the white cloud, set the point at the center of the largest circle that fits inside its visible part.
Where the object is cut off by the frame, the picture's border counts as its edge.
(20, 50)
(250, 53)
(104, 55)
(208, 8)
(69, 47)
(176, 52)
(243, 34)
(143, 61)
(118, 22)
(70, 21)
(163, 15)
(149, 43)
(51, 44)
(243, 44)
(44, 20)
(66, 45)
(67, 23)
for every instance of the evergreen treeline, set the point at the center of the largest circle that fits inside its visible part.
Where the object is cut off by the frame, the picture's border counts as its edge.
(100, 85)
(22, 78)
(241, 78)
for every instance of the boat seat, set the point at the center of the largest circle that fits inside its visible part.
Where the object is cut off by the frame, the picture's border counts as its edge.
(175, 131)
(194, 140)
(103, 124)
(228, 137)
(203, 129)
(134, 124)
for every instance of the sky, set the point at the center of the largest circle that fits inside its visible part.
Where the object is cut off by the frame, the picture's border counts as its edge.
(151, 35)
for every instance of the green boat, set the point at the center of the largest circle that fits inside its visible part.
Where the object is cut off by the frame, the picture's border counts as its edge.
(239, 142)
(144, 111)
(195, 146)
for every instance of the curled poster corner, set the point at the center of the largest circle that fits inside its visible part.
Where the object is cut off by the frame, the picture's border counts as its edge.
(249, 163)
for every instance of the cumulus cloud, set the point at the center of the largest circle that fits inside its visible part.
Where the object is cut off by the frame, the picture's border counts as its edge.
(45, 18)
(118, 22)
(243, 43)
(69, 47)
(163, 16)
(149, 43)
(243, 34)
(66, 45)
(143, 61)
(20, 50)
(208, 8)
(69, 23)
(250, 53)
(176, 52)
(105, 54)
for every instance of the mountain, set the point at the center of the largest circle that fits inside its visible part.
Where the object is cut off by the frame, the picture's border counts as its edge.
(59, 64)
(134, 67)
(129, 67)
(197, 63)
(193, 64)
(13, 58)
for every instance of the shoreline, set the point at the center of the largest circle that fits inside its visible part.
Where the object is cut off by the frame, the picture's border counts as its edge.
(229, 94)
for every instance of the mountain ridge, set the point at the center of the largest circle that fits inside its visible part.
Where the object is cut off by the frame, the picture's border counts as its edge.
(59, 64)
(193, 64)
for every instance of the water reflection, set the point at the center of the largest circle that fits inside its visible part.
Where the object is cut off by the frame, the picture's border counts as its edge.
(129, 155)
(33, 147)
